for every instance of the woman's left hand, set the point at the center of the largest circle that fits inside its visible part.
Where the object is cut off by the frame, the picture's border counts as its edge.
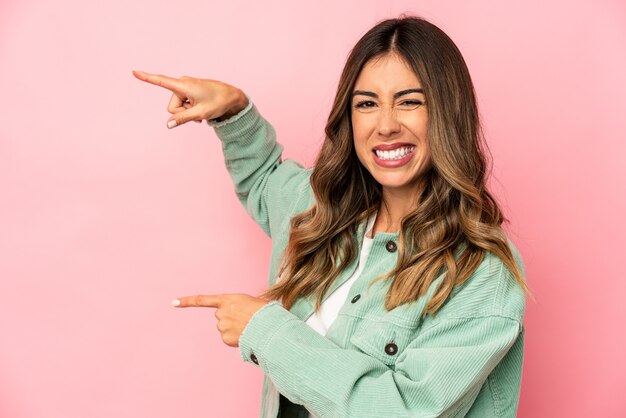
(233, 312)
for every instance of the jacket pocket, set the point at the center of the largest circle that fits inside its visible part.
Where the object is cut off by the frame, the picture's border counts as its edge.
(382, 340)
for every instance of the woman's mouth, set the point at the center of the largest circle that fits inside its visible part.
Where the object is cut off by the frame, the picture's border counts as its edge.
(394, 154)
(392, 158)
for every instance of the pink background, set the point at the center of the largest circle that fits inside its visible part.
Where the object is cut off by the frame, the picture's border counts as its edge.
(105, 215)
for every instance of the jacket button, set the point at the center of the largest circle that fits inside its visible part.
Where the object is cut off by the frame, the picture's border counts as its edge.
(254, 359)
(391, 246)
(391, 349)
(354, 299)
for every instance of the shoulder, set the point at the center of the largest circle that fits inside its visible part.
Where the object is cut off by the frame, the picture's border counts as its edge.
(491, 290)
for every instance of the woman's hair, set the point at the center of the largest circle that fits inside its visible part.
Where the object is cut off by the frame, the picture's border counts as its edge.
(455, 210)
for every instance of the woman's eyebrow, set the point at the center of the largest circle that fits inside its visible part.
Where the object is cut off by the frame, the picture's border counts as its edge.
(395, 96)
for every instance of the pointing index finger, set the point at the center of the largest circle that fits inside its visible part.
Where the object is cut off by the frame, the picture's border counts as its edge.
(172, 84)
(203, 301)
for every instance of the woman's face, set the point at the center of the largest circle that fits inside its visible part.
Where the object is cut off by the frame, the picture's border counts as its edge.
(390, 124)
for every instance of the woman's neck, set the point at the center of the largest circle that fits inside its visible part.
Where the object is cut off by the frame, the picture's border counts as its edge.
(393, 208)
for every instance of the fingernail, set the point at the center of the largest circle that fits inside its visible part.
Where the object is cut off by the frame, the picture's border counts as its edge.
(175, 302)
(171, 124)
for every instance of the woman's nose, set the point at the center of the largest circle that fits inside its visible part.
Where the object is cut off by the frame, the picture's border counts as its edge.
(388, 122)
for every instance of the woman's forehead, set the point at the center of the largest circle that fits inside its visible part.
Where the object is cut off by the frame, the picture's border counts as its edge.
(387, 74)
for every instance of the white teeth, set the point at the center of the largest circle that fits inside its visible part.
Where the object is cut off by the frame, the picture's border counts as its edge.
(394, 154)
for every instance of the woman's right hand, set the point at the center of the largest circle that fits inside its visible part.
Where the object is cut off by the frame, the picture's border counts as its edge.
(197, 99)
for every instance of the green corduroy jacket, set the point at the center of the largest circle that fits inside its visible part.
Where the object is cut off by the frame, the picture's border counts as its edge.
(465, 361)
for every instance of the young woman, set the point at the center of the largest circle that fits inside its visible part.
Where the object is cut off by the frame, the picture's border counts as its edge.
(393, 290)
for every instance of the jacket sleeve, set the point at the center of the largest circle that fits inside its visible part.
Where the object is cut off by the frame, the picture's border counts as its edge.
(438, 374)
(269, 189)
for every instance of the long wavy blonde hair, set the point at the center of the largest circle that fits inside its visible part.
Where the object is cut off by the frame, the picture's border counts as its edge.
(455, 210)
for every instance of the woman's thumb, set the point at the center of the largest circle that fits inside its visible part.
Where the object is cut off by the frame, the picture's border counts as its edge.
(183, 117)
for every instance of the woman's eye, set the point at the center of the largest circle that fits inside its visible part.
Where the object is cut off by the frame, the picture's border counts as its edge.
(365, 104)
(412, 103)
